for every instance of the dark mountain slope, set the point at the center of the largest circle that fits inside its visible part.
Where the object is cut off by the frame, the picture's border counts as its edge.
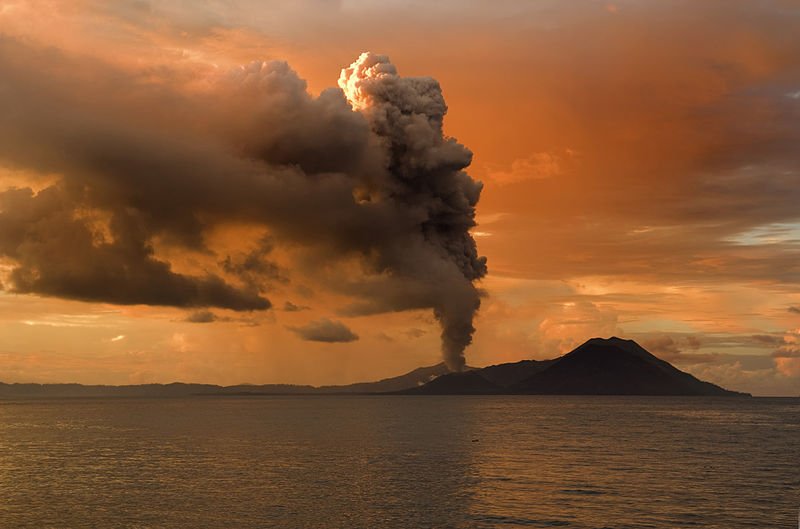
(466, 383)
(506, 375)
(409, 380)
(496, 379)
(614, 367)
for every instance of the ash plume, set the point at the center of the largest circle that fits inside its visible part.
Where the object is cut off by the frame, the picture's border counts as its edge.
(362, 172)
(426, 175)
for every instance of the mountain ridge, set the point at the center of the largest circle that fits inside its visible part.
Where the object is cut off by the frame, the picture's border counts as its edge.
(600, 366)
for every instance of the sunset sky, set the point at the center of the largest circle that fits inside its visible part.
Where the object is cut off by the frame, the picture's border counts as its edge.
(640, 165)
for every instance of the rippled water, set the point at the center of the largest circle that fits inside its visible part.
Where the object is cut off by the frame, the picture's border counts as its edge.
(401, 462)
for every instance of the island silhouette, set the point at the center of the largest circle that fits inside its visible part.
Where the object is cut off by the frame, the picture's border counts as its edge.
(600, 366)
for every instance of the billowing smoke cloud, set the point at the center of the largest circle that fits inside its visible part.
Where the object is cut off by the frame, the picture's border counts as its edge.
(426, 175)
(359, 173)
(57, 254)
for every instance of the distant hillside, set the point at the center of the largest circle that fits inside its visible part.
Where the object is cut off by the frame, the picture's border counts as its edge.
(412, 379)
(464, 383)
(598, 367)
(176, 389)
(506, 375)
(417, 377)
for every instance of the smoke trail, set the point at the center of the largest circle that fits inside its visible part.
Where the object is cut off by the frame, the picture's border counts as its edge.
(426, 171)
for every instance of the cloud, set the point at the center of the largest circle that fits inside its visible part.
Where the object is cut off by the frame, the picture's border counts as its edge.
(673, 349)
(536, 166)
(767, 339)
(253, 268)
(383, 336)
(787, 357)
(790, 347)
(572, 323)
(734, 375)
(794, 310)
(202, 316)
(291, 307)
(325, 330)
(664, 180)
(663, 346)
(415, 333)
(788, 366)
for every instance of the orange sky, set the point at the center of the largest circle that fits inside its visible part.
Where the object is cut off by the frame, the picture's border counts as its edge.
(639, 159)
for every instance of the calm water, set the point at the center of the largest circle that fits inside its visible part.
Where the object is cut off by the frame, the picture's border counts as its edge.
(400, 462)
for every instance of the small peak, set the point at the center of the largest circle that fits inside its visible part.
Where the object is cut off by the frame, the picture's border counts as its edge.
(618, 339)
(612, 339)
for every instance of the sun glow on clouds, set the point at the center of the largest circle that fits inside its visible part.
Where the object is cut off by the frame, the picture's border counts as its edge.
(66, 320)
(539, 165)
(775, 233)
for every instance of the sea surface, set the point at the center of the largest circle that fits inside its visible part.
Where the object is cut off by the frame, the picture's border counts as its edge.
(400, 462)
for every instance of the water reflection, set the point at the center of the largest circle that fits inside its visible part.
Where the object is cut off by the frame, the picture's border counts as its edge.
(399, 462)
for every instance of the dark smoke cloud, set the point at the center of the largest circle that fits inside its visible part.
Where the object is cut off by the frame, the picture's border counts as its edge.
(426, 169)
(360, 172)
(325, 330)
(59, 255)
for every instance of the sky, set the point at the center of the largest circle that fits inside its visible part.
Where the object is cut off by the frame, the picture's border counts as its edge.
(195, 191)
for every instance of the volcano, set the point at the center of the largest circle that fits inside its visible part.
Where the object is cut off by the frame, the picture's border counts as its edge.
(599, 366)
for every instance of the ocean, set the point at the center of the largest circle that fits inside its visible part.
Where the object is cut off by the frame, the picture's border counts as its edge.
(400, 462)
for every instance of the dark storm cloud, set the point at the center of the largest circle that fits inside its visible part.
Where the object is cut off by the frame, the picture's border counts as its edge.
(364, 172)
(325, 330)
(254, 268)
